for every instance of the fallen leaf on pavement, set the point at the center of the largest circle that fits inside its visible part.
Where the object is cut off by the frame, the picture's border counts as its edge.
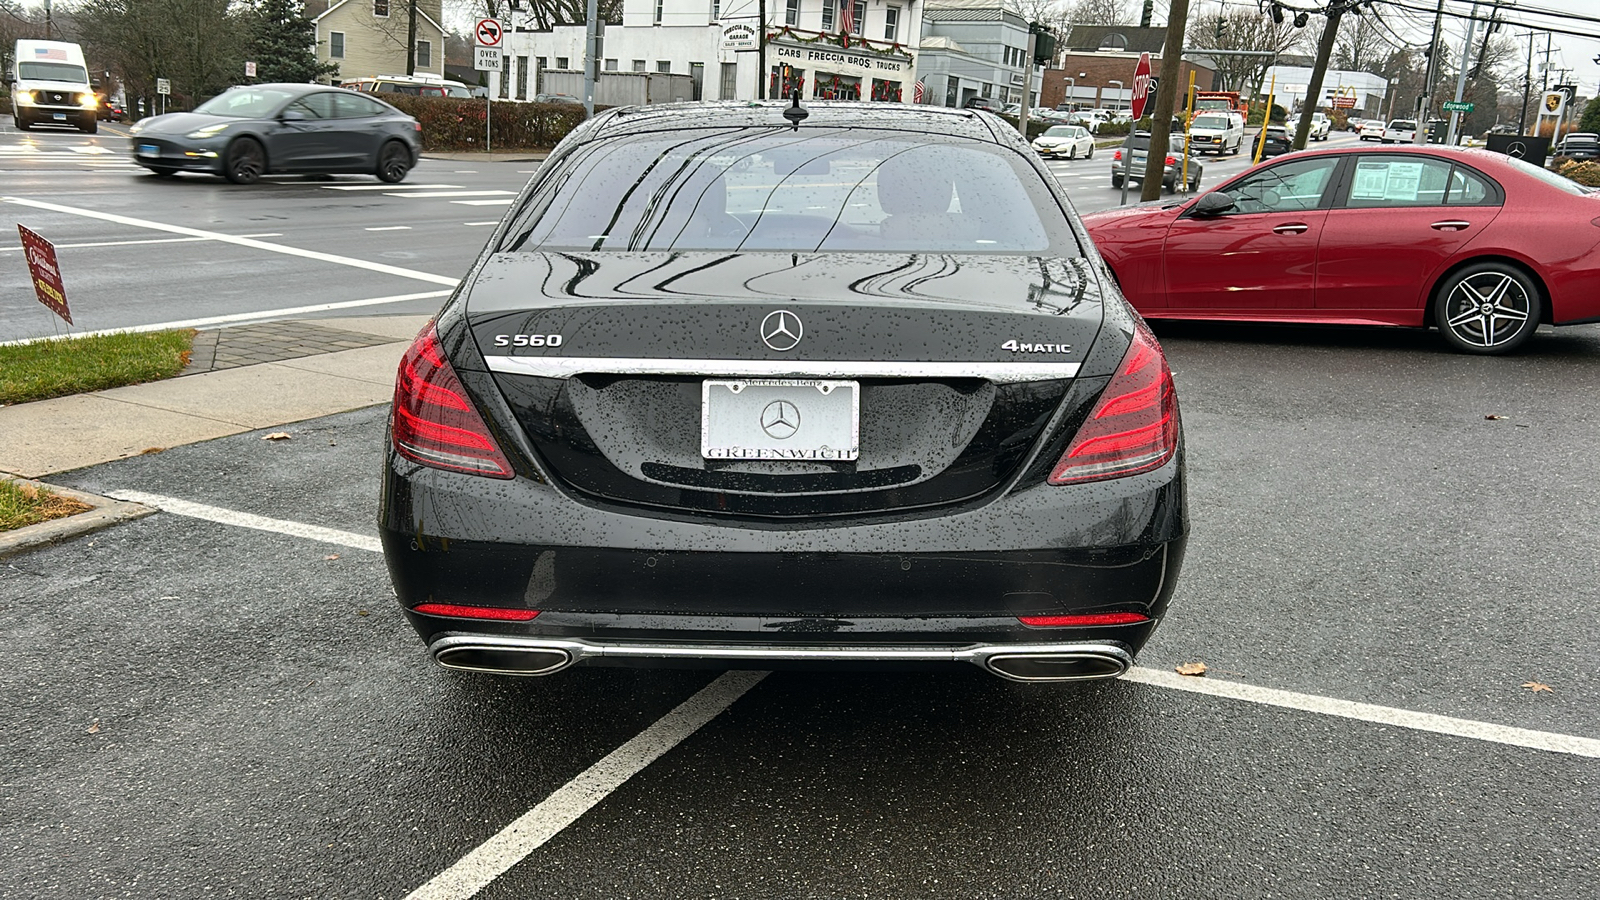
(149, 450)
(94, 728)
(1494, 418)
(277, 436)
(331, 556)
(1537, 686)
(362, 612)
(1194, 668)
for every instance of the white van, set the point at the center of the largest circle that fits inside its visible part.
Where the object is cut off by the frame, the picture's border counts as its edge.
(50, 85)
(1216, 130)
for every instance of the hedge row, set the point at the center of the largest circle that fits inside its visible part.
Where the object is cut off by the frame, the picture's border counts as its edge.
(450, 123)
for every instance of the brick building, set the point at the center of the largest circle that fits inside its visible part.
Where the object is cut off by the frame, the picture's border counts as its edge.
(1096, 69)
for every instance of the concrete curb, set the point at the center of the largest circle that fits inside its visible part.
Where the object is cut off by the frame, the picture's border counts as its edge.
(104, 513)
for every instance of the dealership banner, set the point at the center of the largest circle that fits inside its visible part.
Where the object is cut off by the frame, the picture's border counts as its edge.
(41, 255)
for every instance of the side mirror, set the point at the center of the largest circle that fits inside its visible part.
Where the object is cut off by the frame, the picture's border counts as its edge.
(291, 115)
(1213, 204)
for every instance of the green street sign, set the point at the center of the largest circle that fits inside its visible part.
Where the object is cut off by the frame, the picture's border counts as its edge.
(1453, 106)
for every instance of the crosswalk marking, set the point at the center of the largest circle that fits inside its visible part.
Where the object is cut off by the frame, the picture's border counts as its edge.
(505, 202)
(388, 187)
(492, 193)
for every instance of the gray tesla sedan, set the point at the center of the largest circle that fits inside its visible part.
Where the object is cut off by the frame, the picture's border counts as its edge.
(270, 129)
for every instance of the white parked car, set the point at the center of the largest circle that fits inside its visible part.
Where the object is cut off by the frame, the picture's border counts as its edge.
(1071, 141)
(1216, 131)
(1370, 130)
(1321, 125)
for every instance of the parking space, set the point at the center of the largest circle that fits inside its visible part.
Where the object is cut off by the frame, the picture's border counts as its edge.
(212, 709)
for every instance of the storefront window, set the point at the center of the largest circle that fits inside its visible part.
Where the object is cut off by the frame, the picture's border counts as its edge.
(888, 91)
(837, 87)
(785, 80)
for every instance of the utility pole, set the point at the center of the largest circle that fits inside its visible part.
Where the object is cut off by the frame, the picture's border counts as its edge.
(761, 49)
(1330, 32)
(1425, 102)
(1155, 156)
(49, 23)
(1527, 89)
(1461, 74)
(591, 52)
(411, 41)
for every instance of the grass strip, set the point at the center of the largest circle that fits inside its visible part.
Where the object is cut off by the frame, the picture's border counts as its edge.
(24, 504)
(57, 368)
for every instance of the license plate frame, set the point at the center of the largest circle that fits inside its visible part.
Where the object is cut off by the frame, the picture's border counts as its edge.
(148, 150)
(780, 419)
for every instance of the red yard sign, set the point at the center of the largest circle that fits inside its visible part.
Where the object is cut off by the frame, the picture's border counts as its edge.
(1141, 86)
(46, 274)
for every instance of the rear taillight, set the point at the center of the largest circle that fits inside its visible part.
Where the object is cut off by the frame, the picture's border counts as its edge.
(1117, 155)
(433, 423)
(495, 613)
(1090, 620)
(1134, 427)
(1172, 160)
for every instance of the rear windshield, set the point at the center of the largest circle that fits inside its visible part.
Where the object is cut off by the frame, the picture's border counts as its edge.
(245, 103)
(1061, 131)
(777, 189)
(1403, 125)
(52, 71)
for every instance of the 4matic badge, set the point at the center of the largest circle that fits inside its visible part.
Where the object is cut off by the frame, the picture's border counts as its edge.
(1016, 347)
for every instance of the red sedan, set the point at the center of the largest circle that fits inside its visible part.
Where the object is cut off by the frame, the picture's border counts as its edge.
(1481, 245)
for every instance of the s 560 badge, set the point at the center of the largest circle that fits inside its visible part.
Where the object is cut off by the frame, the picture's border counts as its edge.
(527, 340)
(1016, 347)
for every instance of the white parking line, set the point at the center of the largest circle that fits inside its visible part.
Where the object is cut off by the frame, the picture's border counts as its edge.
(237, 318)
(389, 187)
(250, 520)
(476, 224)
(150, 241)
(494, 857)
(458, 194)
(240, 241)
(391, 228)
(505, 202)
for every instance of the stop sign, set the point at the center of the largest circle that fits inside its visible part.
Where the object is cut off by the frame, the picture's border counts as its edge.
(1141, 85)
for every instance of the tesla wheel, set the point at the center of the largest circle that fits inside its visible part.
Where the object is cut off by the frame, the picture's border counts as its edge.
(1116, 182)
(246, 161)
(1488, 308)
(394, 161)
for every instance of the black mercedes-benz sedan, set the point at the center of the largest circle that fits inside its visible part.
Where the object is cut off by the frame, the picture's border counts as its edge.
(756, 386)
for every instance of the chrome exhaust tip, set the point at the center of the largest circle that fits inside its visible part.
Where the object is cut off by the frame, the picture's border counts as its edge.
(1087, 664)
(500, 658)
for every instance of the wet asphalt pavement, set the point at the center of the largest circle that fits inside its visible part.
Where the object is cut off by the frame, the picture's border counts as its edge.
(202, 710)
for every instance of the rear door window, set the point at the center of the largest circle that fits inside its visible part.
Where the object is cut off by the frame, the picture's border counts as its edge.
(1390, 181)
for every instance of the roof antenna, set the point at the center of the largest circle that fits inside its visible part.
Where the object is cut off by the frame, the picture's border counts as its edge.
(795, 114)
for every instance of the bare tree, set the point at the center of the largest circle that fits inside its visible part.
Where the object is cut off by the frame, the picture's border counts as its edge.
(1099, 12)
(1362, 44)
(197, 44)
(1242, 29)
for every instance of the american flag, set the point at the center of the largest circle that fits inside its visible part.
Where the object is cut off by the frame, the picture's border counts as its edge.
(49, 53)
(847, 17)
(919, 91)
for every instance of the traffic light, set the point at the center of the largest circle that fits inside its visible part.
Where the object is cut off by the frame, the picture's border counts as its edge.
(1044, 44)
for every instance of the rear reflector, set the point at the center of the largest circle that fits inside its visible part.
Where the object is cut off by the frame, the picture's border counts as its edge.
(1134, 427)
(497, 613)
(433, 422)
(1087, 621)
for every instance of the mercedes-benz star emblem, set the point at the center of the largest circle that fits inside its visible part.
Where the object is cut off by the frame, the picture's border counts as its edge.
(780, 420)
(781, 330)
(1517, 149)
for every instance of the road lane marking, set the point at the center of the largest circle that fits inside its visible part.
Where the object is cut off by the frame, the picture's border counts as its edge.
(240, 241)
(1550, 742)
(494, 857)
(391, 228)
(476, 224)
(233, 517)
(493, 193)
(389, 187)
(150, 241)
(244, 317)
(505, 202)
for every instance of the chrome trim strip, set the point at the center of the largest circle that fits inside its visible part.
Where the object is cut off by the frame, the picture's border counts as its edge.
(977, 654)
(567, 366)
